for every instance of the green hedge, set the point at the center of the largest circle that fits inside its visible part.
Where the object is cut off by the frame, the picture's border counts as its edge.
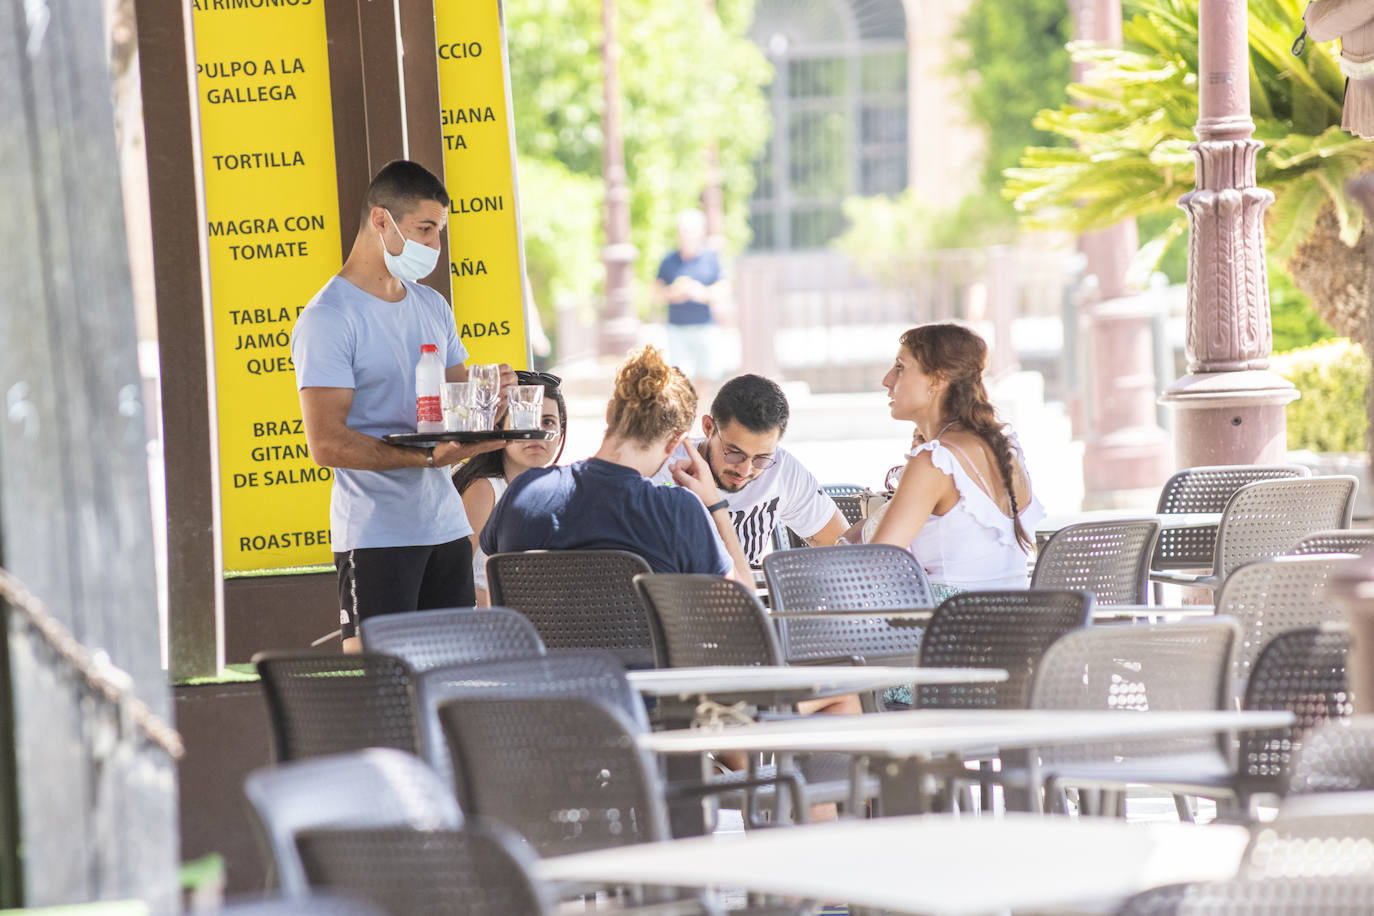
(1331, 415)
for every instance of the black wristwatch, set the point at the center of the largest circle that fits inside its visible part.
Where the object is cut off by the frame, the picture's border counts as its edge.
(723, 504)
(429, 456)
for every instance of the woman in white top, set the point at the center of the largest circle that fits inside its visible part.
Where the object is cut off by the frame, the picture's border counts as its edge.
(964, 504)
(482, 481)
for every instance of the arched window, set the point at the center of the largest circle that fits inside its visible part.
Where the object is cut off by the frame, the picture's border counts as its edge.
(839, 102)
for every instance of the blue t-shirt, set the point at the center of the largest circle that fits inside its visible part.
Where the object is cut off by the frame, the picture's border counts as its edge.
(346, 338)
(600, 505)
(705, 269)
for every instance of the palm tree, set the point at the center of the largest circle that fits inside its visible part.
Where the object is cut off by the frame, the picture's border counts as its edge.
(1133, 121)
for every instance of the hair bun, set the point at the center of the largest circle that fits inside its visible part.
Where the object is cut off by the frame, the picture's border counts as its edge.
(644, 377)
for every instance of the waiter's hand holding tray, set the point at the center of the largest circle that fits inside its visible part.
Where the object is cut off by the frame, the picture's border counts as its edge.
(428, 440)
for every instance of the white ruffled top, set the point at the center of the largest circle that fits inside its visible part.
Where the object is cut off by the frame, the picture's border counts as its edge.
(973, 545)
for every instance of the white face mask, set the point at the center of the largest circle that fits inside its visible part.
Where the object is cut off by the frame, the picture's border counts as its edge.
(414, 261)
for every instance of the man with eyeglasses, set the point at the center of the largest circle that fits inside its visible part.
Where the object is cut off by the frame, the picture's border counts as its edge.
(764, 484)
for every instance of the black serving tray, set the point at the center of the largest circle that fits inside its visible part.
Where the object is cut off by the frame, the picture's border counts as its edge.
(426, 440)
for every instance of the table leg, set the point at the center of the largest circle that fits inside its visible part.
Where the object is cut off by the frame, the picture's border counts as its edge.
(903, 786)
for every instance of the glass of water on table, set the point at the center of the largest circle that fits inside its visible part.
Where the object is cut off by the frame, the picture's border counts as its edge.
(526, 405)
(486, 379)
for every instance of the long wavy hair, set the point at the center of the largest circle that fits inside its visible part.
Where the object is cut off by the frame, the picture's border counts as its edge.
(958, 356)
(492, 464)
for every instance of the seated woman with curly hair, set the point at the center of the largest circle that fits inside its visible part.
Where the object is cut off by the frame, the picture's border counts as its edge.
(606, 501)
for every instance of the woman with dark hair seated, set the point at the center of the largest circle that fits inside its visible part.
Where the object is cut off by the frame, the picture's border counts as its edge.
(483, 480)
(964, 503)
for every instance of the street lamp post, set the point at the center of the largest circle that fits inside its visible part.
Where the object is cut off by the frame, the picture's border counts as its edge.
(1229, 409)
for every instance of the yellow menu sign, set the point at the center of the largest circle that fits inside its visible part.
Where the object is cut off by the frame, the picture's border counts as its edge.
(272, 208)
(479, 152)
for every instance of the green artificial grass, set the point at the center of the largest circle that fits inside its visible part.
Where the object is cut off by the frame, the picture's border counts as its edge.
(230, 674)
(313, 569)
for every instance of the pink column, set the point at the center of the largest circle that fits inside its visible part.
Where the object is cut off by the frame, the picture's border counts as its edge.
(1229, 409)
(1126, 450)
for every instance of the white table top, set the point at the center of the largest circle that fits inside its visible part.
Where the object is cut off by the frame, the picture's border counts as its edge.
(921, 733)
(932, 864)
(1053, 523)
(921, 615)
(689, 682)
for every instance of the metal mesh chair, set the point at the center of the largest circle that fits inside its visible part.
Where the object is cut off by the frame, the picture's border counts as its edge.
(378, 787)
(479, 870)
(1314, 836)
(849, 499)
(326, 704)
(577, 599)
(1335, 757)
(597, 675)
(564, 771)
(707, 620)
(1266, 518)
(1205, 489)
(427, 639)
(1302, 671)
(1006, 629)
(995, 629)
(1337, 540)
(1277, 897)
(1133, 668)
(1109, 559)
(848, 579)
(1274, 595)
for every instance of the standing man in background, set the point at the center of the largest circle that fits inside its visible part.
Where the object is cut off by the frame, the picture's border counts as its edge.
(690, 282)
(397, 526)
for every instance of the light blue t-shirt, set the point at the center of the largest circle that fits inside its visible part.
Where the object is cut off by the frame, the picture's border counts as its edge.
(346, 338)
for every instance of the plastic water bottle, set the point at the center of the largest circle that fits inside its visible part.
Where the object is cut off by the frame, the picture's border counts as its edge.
(429, 376)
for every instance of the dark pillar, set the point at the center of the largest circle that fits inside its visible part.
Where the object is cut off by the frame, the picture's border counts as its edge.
(95, 803)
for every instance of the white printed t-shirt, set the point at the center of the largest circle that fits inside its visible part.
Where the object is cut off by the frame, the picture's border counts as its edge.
(785, 493)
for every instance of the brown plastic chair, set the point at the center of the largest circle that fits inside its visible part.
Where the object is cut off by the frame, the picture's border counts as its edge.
(1109, 559)
(1266, 518)
(1271, 596)
(847, 580)
(577, 599)
(1205, 489)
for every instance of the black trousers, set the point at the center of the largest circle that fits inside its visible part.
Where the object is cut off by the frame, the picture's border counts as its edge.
(389, 580)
